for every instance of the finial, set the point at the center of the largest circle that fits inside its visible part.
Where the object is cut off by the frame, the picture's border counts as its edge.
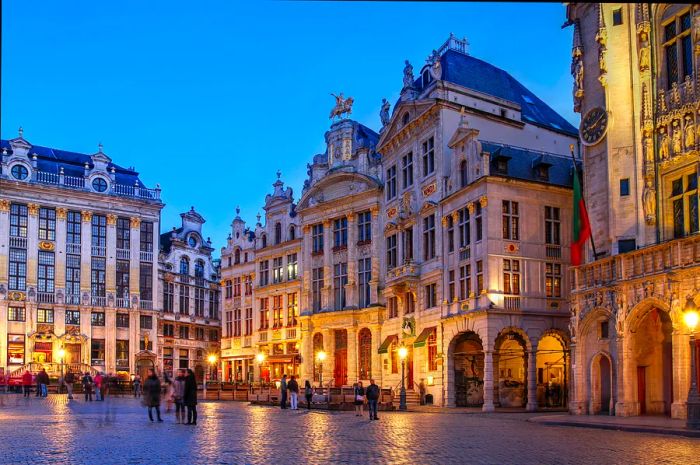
(192, 208)
(279, 174)
(99, 147)
(21, 132)
(258, 217)
(238, 210)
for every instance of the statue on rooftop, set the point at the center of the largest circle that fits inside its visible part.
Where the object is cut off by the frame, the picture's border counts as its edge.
(407, 75)
(343, 106)
(384, 112)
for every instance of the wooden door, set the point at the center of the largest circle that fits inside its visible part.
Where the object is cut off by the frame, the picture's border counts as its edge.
(340, 371)
(642, 389)
(73, 353)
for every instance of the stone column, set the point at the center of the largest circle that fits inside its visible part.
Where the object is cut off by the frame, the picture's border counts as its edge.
(352, 354)
(532, 378)
(32, 245)
(376, 371)
(60, 251)
(681, 374)
(351, 294)
(85, 252)
(305, 303)
(307, 348)
(488, 381)
(134, 258)
(625, 374)
(327, 291)
(4, 246)
(377, 239)
(110, 332)
(329, 349)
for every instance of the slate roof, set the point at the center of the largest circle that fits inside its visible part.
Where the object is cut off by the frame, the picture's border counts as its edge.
(522, 163)
(51, 160)
(166, 239)
(478, 75)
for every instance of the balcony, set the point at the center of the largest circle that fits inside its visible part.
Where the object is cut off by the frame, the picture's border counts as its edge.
(511, 302)
(291, 333)
(409, 271)
(18, 242)
(78, 183)
(553, 251)
(123, 302)
(98, 301)
(73, 249)
(145, 256)
(72, 299)
(262, 336)
(464, 254)
(45, 297)
(146, 304)
(99, 251)
(123, 254)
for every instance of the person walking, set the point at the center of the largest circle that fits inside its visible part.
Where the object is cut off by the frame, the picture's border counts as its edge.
(69, 380)
(190, 397)
(42, 380)
(359, 398)
(87, 386)
(308, 393)
(372, 392)
(293, 388)
(137, 386)
(98, 386)
(27, 382)
(151, 394)
(168, 393)
(179, 395)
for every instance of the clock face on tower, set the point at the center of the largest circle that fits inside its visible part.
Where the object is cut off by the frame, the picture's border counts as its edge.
(192, 241)
(594, 125)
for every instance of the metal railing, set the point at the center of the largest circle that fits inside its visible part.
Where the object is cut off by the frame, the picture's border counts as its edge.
(98, 301)
(18, 242)
(45, 297)
(511, 302)
(72, 299)
(291, 333)
(99, 251)
(553, 251)
(123, 254)
(123, 302)
(464, 253)
(146, 305)
(74, 182)
(73, 249)
(145, 256)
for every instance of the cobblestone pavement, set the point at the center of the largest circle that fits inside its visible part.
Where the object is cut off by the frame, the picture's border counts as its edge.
(117, 431)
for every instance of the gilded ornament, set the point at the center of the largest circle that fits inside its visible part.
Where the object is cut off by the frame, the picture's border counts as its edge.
(471, 206)
(61, 213)
(46, 245)
(33, 209)
(135, 222)
(17, 296)
(644, 58)
(483, 201)
(665, 144)
(4, 205)
(689, 133)
(111, 219)
(649, 202)
(86, 215)
(677, 136)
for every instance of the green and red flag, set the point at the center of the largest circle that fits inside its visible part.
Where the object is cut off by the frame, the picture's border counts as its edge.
(581, 225)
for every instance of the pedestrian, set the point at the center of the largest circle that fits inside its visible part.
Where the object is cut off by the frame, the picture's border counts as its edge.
(372, 393)
(87, 386)
(37, 382)
(69, 380)
(421, 391)
(27, 383)
(283, 392)
(359, 398)
(293, 388)
(98, 385)
(137, 386)
(308, 393)
(151, 394)
(168, 393)
(190, 397)
(42, 379)
(178, 396)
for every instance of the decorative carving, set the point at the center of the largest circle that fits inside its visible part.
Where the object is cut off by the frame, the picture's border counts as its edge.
(86, 215)
(407, 75)
(689, 133)
(648, 147)
(46, 245)
(511, 247)
(483, 201)
(135, 222)
(649, 202)
(602, 38)
(384, 115)
(471, 206)
(343, 106)
(33, 209)
(111, 219)
(61, 213)
(4, 205)
(16, 296)
(429, 189)
(375, 211)
(677, 138)
(644, 59)
(391, 212)
(665, 144)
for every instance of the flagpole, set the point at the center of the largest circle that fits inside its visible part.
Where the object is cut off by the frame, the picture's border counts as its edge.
(573, 158)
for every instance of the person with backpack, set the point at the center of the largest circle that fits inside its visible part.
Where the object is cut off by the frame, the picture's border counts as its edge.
(293, 388)
(372, 392)
(69, 380)
(87, 386)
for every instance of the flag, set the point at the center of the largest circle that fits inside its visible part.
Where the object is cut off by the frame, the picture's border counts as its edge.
(581, 226)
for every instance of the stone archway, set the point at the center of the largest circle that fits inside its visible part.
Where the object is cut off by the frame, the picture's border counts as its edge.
(467, 357)
(552, 370)
(601, 387)
(510, 368)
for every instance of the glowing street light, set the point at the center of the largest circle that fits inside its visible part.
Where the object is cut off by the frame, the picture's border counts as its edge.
(260, 357)
(691, 318)
(320, 356)
(61, 357)
(403, 353)
(212, 360)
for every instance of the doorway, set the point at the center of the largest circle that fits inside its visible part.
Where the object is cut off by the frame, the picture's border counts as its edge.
(468, 363)
(651, 348)
(409, 369)
(605, 385)
(340, 372)
(73, 354)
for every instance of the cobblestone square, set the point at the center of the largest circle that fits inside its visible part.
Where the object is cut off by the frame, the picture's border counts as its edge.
(117, 431)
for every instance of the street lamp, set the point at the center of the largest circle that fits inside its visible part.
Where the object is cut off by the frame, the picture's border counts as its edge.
(261, 359)
(691, 317)
(212, 360)
(320, 356)
(61, 357)
(403, 353)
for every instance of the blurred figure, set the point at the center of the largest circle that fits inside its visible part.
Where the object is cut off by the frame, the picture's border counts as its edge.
(87, 386)
(98, 386)
(359, 398)
(151, 394)
(190, 397)
(137, 386)
(69, 380)
(168, 393)
(283, 392)
(179, 396)
(308, 393)
(42, 382)
(26, 383)
(293, 388)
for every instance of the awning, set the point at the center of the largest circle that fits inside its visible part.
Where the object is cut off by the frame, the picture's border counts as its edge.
(384, 348)
(423, 337)
(283, 358)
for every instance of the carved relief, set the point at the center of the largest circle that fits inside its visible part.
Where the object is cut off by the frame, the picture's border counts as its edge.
(111, 219)
(86, 215)
(677, 138)
(4, 205)
(649, 202)
(61, 213)
(577, 68)
(664, 144)
(33, 209)
(689, 133)
(135, 222)
(483, 201)
(46, 245)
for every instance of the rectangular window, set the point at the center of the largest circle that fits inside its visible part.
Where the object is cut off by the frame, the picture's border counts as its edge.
(465, 281)
(432, 350)
(264, 272)
(292, 266)
(409, 303)
(235, 290)
(429, 237)
(248, 321)
(431, 295)
(122, 270)
(316, 286)
(391, 252)
(292, 309)
(16, 314)
(122, 320)
(146, 281)
(168, 330)
(428, 156)
(553, 279)
(168, 297)
(15, 349)
(248, 284)
(479, 277)
(99, 231)
(617, 16)
(317, 238)
(464, 228)
(624, 187)
(228, 328)
(684, 201)
(604, 329)
(184, 299)
(214, 335)
(214, 304)
(552, 226)
(46, 272)
(74, 227)
(407, 170)
(72, 279)
(44, 316)
(364, 276)
(391, 182)
(511, 220)
(451, 286)
(364, 227)
(17, 270)
(73, 317)
(264, 313)
(122, 353)
(47, 224)
(184, 358)
(511, 276)
(478, 222)
(146, 322)
(277, 270)
(340, 232)
(98, 276)
(146, 236)
(407, 243)
(184, 332)
(123, 233)
(18, 220)
(97, 351)
(97, 319)
(199, 334)
(450, 233)
(199, 294)
(276, 311)
(392, 306)
(340, 279)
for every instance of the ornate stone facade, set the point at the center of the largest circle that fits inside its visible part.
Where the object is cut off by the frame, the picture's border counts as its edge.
(630, 347)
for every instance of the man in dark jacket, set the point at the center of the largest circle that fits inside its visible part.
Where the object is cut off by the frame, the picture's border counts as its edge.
(190, 397)
(283, 392)
(69, 380)
(87, 386)
(42, 381)
(372, 393)
(293, 388)
(151, 394)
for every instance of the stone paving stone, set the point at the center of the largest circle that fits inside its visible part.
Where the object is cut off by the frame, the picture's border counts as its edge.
(117, 431)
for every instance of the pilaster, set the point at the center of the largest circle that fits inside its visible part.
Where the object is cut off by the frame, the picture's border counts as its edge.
(488, 382)
(532, 379)
(60, 251)
(85, 251)
(32, 244)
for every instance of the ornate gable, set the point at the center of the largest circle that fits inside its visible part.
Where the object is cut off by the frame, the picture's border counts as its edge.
(400, 126)
(337, 185)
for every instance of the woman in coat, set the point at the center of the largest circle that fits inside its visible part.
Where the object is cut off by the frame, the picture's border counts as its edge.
(190, 397)
(151, 394)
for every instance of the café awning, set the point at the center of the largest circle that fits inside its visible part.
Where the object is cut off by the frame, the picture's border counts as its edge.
(384, 348)
(283, 358)
(423, 337)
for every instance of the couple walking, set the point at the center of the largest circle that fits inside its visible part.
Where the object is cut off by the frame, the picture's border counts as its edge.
(184, 394)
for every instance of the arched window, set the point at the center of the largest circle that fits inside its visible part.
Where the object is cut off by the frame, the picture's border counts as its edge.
(184, 265)
(405, 118)
(292, 233)
(237, 256)
(318, 343)
(199, 269)
(364, 353)
(263, 241)
(278, 232)
(677, 41)
(463, 173)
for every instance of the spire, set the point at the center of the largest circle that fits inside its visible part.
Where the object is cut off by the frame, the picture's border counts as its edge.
(99, 147)
(258, 217)
(21, 132)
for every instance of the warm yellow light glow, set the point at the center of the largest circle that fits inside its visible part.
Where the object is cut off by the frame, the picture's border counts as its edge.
(260, 357)
(212, 358)
(321, 356)
(403, 352)
(431, 380)
(61, 353)
(277, 383)
(691, 318)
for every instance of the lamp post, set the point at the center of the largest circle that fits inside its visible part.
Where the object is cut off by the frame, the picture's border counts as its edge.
(261, 359)
(691, 317)
(403, 353)
(320, 356)
(212, 360)
(61, 357)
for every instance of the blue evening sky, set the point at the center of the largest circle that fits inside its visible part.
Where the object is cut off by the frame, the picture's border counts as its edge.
(211, 98)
